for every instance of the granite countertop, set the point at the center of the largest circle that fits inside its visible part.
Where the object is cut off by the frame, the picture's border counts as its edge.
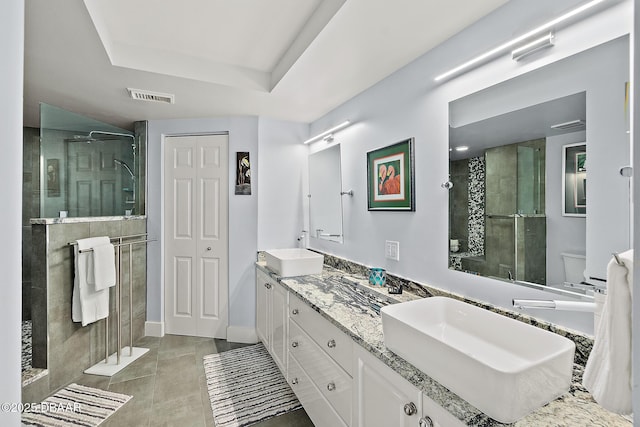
(331, 294)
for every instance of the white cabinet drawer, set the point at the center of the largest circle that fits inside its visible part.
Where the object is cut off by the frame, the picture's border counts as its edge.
(335, 342)
(332, 381)
(316, 406)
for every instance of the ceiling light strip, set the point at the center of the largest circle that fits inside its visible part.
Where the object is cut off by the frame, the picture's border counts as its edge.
(328, 132)
(519, 39)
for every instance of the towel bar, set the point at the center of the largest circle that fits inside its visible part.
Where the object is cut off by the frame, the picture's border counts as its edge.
(118, 246)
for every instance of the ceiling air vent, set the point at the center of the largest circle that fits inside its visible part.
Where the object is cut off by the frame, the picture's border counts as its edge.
(147, 95)
(572, 125)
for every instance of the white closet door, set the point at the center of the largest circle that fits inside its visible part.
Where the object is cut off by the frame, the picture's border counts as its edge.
(196, 235)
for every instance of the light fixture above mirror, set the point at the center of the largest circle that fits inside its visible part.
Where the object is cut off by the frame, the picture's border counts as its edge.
(526, 37)
(328, 134)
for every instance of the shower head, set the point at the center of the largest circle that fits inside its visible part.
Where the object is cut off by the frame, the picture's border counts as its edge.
(126, 166)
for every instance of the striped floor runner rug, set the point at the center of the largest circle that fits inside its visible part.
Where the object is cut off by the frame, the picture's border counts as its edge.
(73, 406)
(246, 387)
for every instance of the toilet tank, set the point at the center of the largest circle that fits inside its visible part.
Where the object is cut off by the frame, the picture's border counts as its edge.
(574, 266)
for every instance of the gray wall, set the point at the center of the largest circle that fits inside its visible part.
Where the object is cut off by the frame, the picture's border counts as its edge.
(410, 104)
(564, 234)
(30, 209)
(11, 83)
(57, 340)
(277, 164)
(243, 211)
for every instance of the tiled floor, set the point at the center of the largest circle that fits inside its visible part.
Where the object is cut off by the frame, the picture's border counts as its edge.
(168, 386)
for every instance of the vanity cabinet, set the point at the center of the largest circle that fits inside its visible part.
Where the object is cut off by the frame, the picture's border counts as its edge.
(339, 383)
(323, 354)
(383, 398)
(271, 317)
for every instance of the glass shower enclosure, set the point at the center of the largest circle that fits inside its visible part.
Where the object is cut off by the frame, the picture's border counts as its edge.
(87, 168)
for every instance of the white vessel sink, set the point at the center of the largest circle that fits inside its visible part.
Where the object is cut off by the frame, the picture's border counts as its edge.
(503, 367)
(293, 262)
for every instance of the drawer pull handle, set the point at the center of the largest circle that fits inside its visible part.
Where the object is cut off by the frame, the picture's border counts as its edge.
(294, 311)
(331, 386)
(331, 343)
(294, 344)
(294, 381)
(410, 409)
(426, 422)
(267, 285)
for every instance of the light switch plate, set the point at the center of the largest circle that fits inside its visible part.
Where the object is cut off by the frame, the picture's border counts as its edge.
(392, 250)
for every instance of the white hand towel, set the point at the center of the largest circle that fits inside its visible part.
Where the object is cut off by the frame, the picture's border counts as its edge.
(101, 267)
(607, 375)
(88, 305)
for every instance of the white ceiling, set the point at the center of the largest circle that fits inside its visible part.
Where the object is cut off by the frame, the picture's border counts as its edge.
(288, 59)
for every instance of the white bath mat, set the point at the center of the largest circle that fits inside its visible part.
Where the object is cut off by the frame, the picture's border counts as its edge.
(73, 406)
(246, 387)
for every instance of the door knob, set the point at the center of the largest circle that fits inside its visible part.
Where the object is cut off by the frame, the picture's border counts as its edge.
(294, 381)
(331, 343)
(209, 248)
(294, 311)
(267, 285)
(331, 386)
(294, 344)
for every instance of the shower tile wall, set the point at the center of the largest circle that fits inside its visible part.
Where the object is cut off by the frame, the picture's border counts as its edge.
(476, 232)
(466, 214)
(30, 208)
(459, 202)
(52, 295)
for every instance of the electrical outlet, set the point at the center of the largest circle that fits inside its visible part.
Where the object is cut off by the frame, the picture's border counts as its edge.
(392, 250)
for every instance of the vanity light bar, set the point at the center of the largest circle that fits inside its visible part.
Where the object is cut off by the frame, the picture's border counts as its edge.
(519, 39)
(328, 132)
(543, 42)
(571, 125)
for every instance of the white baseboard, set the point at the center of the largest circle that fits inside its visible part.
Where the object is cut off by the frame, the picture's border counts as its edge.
(154, 329)
(242, 334)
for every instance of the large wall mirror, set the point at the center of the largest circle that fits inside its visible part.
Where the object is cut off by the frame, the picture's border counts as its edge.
(325, 199)
(537, 196)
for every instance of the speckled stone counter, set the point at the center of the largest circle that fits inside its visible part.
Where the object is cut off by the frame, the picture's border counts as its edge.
(332, 295)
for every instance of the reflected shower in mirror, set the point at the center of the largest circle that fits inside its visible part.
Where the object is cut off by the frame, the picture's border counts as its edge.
(325, 199)
(508, 218)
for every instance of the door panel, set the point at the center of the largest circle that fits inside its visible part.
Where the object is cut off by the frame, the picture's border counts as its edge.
(183, 209)
(196, 222)
(94, 184)
(182, 287)
(210, 274)
(210, 214)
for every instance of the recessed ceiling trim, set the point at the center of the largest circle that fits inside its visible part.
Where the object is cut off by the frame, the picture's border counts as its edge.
(185, 66)
(316, 23)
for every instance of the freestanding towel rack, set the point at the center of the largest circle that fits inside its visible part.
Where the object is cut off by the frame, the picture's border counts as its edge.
(106, 368)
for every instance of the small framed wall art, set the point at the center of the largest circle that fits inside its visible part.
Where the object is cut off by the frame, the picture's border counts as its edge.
(390, 178)
(243, 173)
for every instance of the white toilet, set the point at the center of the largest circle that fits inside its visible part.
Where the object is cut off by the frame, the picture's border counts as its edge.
(574, 267)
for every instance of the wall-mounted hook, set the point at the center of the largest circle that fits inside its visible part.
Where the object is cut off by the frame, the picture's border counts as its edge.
(626, 171)
(347, 193)
(448, 185)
